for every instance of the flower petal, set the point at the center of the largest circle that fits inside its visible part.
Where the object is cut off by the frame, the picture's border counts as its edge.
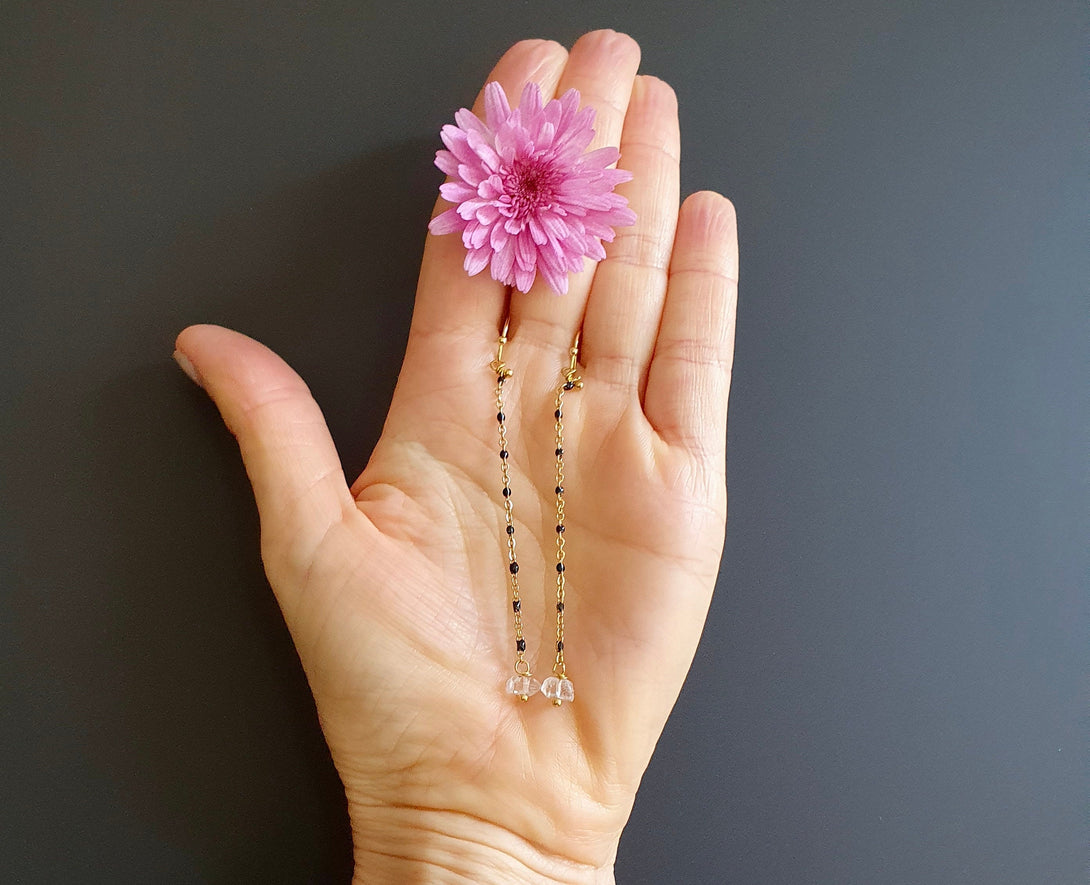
(601, 158)
(477, 234)
(502, 262)
(537, 232)
(447, 222)
(484, 151)
(469, 121)
(476, 261)
(525, 251)
(457, 143)
(456, 191)
(488, 214)
(530, 102)
(496, 108)
(555, 276)
(472, 173)
(447, 162)
(524, 279)
(468, 208)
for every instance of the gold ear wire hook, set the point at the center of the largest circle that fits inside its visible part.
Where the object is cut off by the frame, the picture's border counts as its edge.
(498, 365)
(571, 376)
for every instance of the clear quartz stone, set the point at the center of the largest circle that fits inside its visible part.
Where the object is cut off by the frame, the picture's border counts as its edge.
(558, 689)
(523, 686)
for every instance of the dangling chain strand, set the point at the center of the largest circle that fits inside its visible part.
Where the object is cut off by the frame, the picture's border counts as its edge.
(559, 668)
(521, 666)
(522, 683)
(572, 381)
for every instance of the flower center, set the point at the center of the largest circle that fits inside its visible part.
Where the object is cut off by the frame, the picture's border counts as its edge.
(531, 184)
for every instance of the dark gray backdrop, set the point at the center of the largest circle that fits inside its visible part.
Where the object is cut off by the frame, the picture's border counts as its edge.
(892, 679)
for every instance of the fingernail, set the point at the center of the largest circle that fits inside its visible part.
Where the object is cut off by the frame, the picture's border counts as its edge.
(186, 366)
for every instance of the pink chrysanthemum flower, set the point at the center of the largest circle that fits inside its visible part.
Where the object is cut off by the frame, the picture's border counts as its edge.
(528, 198)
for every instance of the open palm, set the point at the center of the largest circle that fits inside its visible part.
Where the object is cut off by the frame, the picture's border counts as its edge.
(395, 590)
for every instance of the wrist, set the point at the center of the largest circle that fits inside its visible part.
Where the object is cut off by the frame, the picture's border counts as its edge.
(419, 846)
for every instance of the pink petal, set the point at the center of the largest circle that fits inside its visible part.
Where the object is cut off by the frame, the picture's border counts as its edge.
(507, 142)
(554, 226)
(587, 201)
(555, 252)
(569, 102)
(477, 234)
(472, 173)
(596, 228)
(468, 121)
(484, 151)
(552, 113)
(496, 108)
(456, 191)
(619, 217)
(468, 208)
(502, 262)
(556, 278)
(457, 143)
(530, 102)
(491, 187)
(476, 261)
(537, 232)
(524, 279)
(446, 223)
(611, 177)
(602, 157)
(447, 162)
(525, 251)
(488, 214)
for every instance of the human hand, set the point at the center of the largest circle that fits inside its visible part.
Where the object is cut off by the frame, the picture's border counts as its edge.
(395, 589)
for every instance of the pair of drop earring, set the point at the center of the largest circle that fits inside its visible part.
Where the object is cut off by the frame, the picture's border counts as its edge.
(557, 687)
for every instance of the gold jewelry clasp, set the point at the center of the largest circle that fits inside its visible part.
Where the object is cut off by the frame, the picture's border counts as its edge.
(571, 375)
(498, 365)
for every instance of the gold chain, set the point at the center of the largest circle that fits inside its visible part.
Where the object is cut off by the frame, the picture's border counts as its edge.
(571, 381)
(522, 666)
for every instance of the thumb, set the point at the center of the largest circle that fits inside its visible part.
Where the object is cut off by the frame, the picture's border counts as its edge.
(289, 455)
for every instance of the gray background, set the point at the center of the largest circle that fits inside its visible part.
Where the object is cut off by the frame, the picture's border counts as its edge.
(892, 682)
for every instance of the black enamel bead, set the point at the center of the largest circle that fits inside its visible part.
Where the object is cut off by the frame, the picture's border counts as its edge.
(510, 530)
(560, 490)
(560, 646)
(557, 414)
(506, 492)
(559, 452)
(500, 417)
(503, 454)
(560, 568)
(570, 385)
(514, 568)
(560, 606)
(520, 644)
(560, 529)
(516, 604)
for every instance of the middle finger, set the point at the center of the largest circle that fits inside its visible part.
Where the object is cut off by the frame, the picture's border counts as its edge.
(602, 66)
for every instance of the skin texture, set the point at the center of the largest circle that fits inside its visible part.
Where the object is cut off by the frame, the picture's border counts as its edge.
(394, 588)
